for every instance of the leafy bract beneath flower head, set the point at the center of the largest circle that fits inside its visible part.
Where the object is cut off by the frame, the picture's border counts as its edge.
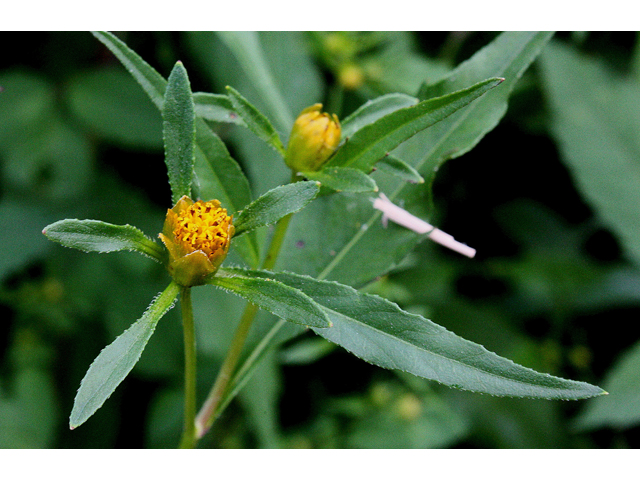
(197, 236)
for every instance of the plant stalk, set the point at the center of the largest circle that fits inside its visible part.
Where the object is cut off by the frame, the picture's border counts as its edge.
(208, 412)
(189, 432)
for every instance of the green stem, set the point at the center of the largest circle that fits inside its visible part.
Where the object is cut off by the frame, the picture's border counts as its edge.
(209, 410)
(189, 432)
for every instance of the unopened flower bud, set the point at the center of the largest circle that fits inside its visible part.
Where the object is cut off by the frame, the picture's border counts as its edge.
(351, 76)
(314, 138)
(197, 236)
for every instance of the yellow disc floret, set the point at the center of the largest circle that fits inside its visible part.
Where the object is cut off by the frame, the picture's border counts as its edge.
(204, 226)
(197, 236)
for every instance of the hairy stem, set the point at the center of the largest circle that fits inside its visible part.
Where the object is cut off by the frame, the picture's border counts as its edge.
(210, 410)
(189, 433)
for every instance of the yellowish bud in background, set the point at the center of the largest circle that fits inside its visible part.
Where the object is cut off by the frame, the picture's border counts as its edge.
(351, 76)
(314, 138)
(197, 236)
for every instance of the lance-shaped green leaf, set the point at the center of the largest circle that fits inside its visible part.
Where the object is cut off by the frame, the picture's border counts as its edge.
(219, 175)
(374, 110)
(216, 108)
(341, 245)
(248, 51)
(116, 360)
(274, 205)
(508, 56)
(343, 179)
(149, 79)
(97, 236)
(379, 332)
(373, 141)
(399, 168)
(282, 300)
(179, 132)
(256, 121)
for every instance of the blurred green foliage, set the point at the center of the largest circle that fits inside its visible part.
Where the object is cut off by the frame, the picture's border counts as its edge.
(549, 199)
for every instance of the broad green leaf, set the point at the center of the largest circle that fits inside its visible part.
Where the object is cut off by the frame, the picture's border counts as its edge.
(29, 411)
(97, 236)
(379, 332)
(282, 300)
(42, 152)
(620, 409)
(399, 168)
(116, 360)
(16, 252)
(373, 141)
(374, 110)
(260, 398)
(109, 103)
(248, 51)
(343, 179)
(332, 247)
(179, 132)
(256, 121)
(216, 108)
(596, 119)
(508, 56)
(218, 175)
(274, 205)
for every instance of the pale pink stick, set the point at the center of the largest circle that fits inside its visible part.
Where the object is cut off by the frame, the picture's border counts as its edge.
(402, 217)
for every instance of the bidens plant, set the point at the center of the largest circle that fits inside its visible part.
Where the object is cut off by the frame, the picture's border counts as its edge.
(198, 234)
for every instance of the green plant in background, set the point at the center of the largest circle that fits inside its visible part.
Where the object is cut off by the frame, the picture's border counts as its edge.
(314, 225)
(198, 234)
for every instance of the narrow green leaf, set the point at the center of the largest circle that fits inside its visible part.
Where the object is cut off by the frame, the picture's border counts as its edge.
(399, 168)
(148, 78)
(116, 360)
(374, 110)
(218, 175)
(256, 121)
(343, 179)
(373, 141)
(282, 300)
(97, 236)
(274, 205)
(379, 332)
(507, 56)
(338, 246)
(216, 108)
(247, 50)
(179, 132)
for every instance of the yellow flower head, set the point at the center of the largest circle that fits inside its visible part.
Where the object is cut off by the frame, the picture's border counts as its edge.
(197, 236)
(314, 138)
